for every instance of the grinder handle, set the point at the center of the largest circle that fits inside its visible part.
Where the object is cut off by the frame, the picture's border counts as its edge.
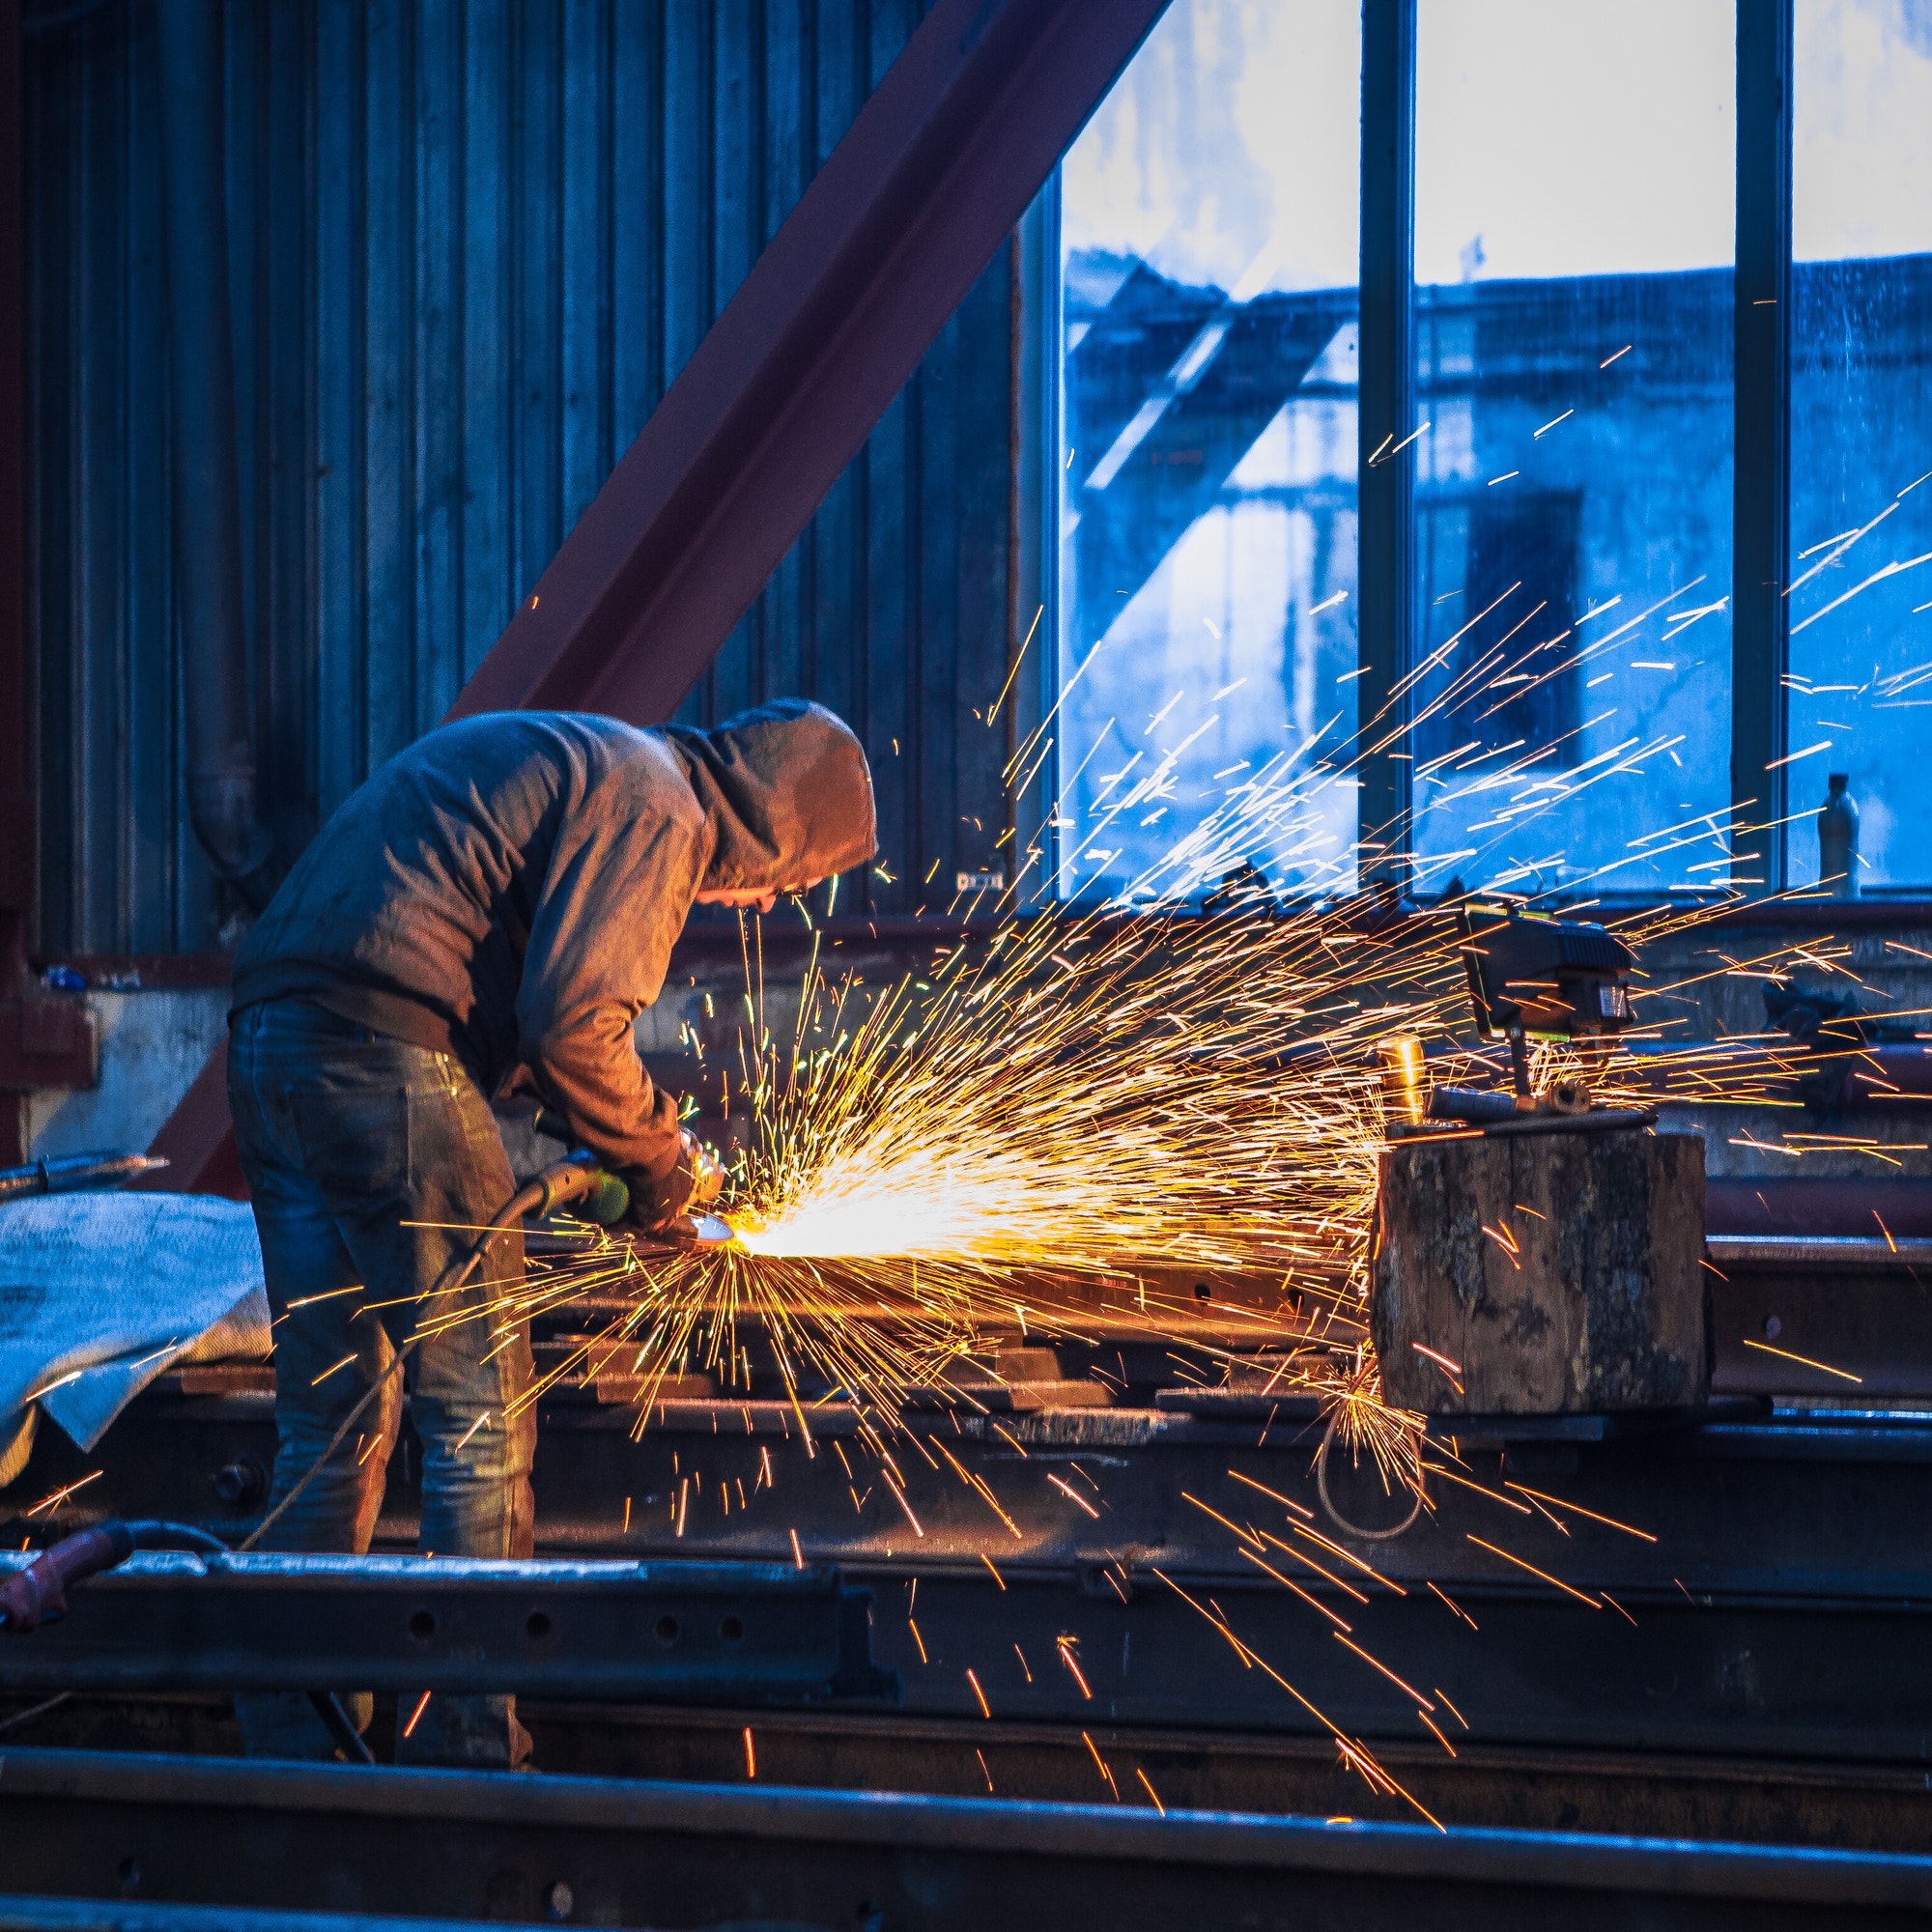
(579, 1177)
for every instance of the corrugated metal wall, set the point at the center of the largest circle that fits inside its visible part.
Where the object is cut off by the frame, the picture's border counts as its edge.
(471, 243)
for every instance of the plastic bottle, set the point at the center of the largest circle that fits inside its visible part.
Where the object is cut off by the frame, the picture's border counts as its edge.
(1839, 840)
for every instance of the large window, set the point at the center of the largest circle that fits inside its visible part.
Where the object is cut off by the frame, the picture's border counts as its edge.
(1573, 385)
(1208, 247)
(1858, 695)
(1573, 230)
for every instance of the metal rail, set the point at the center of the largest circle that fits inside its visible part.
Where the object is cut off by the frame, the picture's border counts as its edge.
(1776, 1602)
(695, 1633)
(1857, 1305)
(1870, 1806)
(456, 1843)
(1780, 1584)
(19, 1914)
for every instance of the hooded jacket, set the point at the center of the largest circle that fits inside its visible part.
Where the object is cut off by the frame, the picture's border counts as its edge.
(509, 888)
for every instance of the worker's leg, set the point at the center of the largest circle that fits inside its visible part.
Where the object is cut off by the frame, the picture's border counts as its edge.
(470, 1383)
(402, 1151)
(318, 1325)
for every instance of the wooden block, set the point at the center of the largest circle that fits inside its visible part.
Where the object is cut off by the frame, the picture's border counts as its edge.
(1599, 1305)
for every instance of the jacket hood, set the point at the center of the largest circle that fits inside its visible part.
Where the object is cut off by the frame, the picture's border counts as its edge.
(787, 793)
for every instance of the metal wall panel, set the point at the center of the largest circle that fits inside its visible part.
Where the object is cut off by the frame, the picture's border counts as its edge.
(471, 243)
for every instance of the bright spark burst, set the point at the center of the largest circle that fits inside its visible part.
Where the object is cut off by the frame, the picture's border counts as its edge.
(1147, 1118)
(1085, 1122)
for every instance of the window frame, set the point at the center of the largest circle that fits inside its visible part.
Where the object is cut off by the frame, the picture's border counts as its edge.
(1386, 410)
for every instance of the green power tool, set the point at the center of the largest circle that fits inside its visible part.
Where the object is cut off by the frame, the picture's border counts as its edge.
(597, 1195)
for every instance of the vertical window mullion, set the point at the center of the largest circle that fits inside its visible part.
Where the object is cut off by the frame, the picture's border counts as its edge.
(1033, 860)
(1762, 487)
(1385, 415)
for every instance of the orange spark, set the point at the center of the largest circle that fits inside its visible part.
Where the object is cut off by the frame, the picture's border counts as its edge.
(986, 1709)
(1555, 1582)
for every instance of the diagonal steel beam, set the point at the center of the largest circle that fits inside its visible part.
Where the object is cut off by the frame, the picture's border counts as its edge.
(781, 393)
(821, 335)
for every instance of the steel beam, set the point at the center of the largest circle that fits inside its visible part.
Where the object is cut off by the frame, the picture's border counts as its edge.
(1850, 1313)
(697, 1632)
(833, 317)
(197, 1139)
(1770, 1676)
(615, 1852)
(1645, 1793)
(1855, 1806)
(1781, 1589)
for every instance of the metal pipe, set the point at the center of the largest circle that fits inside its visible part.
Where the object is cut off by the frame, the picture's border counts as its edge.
(73, 1172)
(215, 682)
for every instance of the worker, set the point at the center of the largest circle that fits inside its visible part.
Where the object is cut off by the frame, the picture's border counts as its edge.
(493, 908)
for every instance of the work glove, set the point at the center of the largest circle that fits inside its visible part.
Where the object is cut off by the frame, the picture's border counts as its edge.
(696, 1179)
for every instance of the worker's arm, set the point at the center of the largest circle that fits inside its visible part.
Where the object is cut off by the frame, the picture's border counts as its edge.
(624, 873)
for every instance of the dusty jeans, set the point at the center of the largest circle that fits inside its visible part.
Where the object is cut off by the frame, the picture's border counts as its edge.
(367, 1157)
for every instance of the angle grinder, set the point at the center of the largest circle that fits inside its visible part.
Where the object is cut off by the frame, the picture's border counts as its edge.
(595, 1194)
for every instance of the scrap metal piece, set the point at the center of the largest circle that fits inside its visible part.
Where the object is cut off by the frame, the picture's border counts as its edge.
(1405, 1078)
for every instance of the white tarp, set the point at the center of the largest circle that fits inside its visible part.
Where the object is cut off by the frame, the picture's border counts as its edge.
(100, 1292)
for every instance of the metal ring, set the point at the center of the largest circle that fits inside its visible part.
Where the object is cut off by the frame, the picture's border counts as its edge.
(1335, 1516)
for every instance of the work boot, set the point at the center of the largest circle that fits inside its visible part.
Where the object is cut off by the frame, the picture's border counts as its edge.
(478, 1732)
(283, 1724)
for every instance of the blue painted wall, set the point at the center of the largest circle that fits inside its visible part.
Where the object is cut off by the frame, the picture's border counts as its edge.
(471, 242)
